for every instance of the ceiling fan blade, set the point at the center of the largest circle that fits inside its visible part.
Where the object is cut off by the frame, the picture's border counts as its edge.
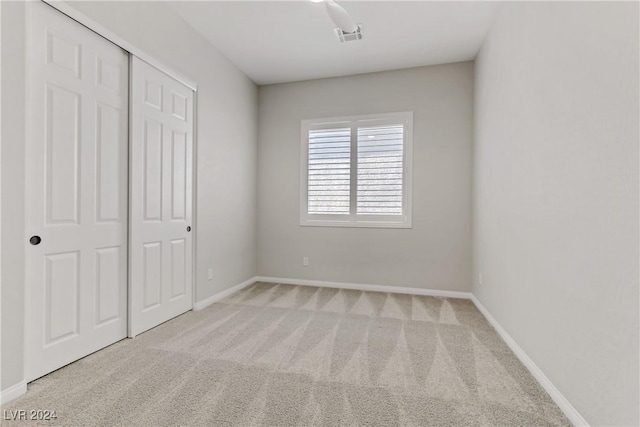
(340, 17)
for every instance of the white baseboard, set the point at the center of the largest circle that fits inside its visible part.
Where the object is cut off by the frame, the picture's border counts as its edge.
(221, 295)
(12, 392)
(366, 287)
(567, 408)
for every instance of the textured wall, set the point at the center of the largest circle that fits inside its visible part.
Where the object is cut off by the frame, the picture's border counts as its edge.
(13, 233)
(436, 252)
(556, 195)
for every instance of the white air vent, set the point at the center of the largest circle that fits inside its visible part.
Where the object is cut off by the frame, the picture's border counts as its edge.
(347, 37)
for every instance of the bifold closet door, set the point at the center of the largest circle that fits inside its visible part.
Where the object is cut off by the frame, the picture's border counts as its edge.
(161, 197)
(76, 192)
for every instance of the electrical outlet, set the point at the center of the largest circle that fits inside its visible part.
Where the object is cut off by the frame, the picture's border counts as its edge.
(480, 278)
(305, 261)
(210, 274)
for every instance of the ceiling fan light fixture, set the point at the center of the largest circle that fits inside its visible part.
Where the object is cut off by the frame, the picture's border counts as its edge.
(340, 17)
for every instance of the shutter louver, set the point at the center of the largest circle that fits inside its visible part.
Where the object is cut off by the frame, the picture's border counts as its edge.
(380, 170)
(329, 171)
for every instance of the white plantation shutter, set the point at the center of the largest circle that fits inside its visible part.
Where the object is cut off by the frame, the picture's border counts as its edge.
(380, 170)
(329, 171)
(356, 171)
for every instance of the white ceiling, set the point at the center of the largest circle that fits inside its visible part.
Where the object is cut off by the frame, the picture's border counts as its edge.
(283, 41)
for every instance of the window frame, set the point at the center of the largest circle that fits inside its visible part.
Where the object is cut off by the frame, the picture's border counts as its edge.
(354, 219)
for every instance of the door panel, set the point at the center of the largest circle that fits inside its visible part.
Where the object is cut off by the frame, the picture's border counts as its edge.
(179, 106)
(178, 267)
(63, 52)
(62, 289)
(161, 177)
(153, 92)
(76, 192)
(107, 278)
(108, 159)
(152, 166)
(179, 175)
(62, 133)
(108, 74)
(152, 265)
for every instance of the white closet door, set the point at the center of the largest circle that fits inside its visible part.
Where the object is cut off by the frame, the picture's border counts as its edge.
(76, 181)
(161, 197)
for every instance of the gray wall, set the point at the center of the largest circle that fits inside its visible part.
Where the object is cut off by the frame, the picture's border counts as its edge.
(12, 149)
(556, 195)
(436, 252)
(226, 158)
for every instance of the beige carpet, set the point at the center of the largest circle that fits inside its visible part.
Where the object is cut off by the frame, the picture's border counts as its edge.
(293, 355)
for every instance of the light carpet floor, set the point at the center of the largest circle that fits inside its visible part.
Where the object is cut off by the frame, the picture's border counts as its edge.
(280, 355)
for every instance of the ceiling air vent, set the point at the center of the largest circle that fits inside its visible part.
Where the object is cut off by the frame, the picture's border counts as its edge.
(344, 36)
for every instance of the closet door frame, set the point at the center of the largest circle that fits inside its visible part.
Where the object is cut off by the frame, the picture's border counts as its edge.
(92, 25)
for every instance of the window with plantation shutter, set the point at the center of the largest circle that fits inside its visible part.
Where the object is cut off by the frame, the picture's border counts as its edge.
(329, 175)
(356, 171)
(380, 170)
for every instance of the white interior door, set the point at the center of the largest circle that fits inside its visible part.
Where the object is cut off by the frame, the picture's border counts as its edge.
(76, 181)
(161, 197)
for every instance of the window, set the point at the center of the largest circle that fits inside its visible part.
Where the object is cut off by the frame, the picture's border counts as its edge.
(356, 171)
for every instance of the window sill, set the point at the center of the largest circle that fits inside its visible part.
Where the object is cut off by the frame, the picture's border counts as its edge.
(355, 224)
